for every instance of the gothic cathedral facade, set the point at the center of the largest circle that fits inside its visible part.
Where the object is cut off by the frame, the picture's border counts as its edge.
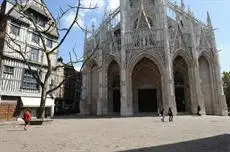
(148, 55)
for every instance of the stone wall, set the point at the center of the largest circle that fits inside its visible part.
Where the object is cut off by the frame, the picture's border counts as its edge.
(174, 44)
(94, 89)
(206, 86)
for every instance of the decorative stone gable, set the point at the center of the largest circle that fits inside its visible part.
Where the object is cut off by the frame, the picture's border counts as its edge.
(154, 60)
(180, 41)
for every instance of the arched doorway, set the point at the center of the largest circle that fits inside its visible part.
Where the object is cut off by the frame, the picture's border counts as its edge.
(93, 88)
(114, 103)
(146, 86)
(206, 84)
(181, 84)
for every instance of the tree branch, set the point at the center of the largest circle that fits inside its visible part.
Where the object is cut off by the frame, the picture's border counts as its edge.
(89, 57)
(61, 83)
(20, 52)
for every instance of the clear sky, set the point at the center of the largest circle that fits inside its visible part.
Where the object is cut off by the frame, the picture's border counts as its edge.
(219, 11)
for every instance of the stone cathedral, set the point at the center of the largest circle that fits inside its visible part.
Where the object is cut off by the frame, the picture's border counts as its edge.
(148, 55)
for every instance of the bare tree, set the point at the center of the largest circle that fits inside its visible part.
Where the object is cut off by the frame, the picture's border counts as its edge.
(52, 25)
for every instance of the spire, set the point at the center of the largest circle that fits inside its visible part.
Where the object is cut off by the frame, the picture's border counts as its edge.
(209, 22)
(93, 27)
(85, 40)
(86, 33)
(189, 10)
(182, 5)
(105, 14)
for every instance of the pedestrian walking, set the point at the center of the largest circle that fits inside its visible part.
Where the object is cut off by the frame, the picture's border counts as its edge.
(198, 110)
(27, 118)
(170, 113)
(162, 113)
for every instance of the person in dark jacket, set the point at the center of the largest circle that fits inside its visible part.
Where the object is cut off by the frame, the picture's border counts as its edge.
(198, 110)
(170, 113)
(162, 113)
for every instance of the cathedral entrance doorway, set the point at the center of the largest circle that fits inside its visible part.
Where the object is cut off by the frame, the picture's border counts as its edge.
(181, 84)
(147, 100)
(180, 99)
(114, 103)
(146, 86)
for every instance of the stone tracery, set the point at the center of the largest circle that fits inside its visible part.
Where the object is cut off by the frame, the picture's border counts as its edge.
(147, 41)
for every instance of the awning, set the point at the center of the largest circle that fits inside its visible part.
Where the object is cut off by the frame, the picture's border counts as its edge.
(35, 102)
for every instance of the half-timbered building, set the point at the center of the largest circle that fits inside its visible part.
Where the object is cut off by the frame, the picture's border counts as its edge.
(18, 88)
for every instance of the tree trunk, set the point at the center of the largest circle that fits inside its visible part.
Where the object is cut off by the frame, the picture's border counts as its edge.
(41, 110)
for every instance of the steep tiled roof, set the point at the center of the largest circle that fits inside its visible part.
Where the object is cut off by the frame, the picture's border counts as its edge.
(36, 5)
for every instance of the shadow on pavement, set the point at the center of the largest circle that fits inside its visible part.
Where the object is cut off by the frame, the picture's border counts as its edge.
(219, 143)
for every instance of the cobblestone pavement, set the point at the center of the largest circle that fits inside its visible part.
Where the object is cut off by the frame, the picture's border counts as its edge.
(146, 134)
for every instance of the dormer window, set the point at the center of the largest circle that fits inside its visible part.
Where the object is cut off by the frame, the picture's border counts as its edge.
(42, 23)
(37, 18)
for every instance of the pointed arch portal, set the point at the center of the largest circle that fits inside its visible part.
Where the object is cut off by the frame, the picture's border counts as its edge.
(114, 96)
(146, 86)
(181, 84)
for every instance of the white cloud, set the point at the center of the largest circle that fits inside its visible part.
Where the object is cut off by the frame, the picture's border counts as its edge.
(81, 20)
(219, 49)
(78, 67)
(113, 4)
(83, 12)
(70, 17)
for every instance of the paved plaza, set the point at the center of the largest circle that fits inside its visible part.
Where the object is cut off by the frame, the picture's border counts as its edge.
(146, 134)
